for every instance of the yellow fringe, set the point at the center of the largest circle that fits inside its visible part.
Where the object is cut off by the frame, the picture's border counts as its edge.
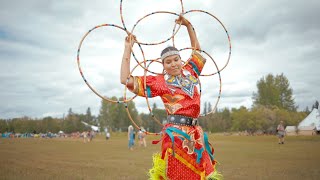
(215, 176)
(159, 168)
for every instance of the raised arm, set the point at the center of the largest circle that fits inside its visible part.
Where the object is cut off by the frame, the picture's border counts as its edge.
(125, 65)
(192, 34)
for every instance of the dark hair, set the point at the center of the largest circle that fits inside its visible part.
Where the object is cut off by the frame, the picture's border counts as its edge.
(169, 48)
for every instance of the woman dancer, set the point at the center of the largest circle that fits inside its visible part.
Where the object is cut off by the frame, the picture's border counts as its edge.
(185, 151)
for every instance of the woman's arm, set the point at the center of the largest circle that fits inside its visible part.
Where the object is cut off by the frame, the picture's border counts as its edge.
(125, 65)
(192, 34)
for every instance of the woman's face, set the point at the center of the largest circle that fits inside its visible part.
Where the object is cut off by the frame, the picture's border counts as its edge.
(172, 65)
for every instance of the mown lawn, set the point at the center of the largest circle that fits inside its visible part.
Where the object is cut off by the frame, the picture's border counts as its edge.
(240, 157)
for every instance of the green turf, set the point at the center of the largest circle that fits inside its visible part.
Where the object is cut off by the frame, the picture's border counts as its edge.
(240, 157)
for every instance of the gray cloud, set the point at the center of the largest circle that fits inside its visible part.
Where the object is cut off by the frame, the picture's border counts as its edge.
(39, 75)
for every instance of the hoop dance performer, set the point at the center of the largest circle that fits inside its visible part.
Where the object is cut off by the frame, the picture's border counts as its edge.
(185, 150)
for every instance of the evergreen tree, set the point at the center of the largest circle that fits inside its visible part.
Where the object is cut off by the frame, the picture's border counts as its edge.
(209, 109)
(316, 105)
(205, 108)
(70, 112)
(89, 117)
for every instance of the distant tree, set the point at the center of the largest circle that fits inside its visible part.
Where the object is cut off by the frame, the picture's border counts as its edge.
(220, 121)
(115, 116)
(240, 119)
(3, 126)
(133, 112)
(73, 124)
(205, 108)
(145, 121)
(265, 118)
(160, 115)
(227, 122)
(70, 112)
(316, 105)
(274, 91)
(88, 116)
(50, 124)
(209, 109)
(307, 110)
(106, 113)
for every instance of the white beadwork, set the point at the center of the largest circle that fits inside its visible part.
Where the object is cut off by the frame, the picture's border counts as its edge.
(169, 53)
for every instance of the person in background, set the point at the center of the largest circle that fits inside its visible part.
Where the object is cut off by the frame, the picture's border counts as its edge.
(281, 132)
(84, 135)
(130, 137)
(107, 133)
(92, 134)
(142, 137)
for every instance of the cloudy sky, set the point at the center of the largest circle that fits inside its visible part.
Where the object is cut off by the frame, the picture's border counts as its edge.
(39, 40)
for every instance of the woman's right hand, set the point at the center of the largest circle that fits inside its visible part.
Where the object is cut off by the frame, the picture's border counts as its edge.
(183, 21)
(130, 40)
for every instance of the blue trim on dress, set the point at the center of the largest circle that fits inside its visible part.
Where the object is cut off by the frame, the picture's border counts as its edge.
(149, 92)
(208, 149)
(171, 130)
(195, 67)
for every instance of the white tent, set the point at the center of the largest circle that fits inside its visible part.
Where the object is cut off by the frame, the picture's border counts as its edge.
(291, 130)
(95, 128)
(312, 120)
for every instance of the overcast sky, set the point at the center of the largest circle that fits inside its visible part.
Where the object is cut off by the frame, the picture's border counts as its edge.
(39, 41)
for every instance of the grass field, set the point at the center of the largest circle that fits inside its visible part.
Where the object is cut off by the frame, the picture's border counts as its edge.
(240, 157)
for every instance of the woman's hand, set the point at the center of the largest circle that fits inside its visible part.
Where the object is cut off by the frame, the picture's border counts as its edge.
(192, 34)
(130, 40)
(183, 21)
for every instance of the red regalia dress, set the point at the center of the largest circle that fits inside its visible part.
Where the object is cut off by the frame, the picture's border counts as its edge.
(185, 151)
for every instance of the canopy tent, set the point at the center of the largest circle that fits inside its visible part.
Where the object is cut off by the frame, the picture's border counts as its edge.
(312, 120)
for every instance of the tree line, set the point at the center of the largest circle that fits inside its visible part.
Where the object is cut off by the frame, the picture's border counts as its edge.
(272, 102)
(71, 123)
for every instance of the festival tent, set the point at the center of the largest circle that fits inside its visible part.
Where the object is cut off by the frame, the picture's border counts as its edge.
(311, 122)
(95, 128)
(307, 130)
(291, 130)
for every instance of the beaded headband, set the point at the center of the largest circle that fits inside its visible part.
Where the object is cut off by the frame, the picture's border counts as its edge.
(169, 53)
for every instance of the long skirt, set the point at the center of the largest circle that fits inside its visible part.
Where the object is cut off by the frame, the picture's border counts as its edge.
(185, 154)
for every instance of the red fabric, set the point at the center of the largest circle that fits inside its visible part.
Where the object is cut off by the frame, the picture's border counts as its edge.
(177, 103)
(176, 169)
(175, 100)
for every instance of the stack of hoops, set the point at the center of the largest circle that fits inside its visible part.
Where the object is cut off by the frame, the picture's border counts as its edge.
(146, 63)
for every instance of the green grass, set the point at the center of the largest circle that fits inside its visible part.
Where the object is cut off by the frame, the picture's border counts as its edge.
(240, 157)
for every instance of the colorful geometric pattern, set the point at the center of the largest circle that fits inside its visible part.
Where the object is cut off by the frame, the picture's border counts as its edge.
(176, 162)
(188, 103)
